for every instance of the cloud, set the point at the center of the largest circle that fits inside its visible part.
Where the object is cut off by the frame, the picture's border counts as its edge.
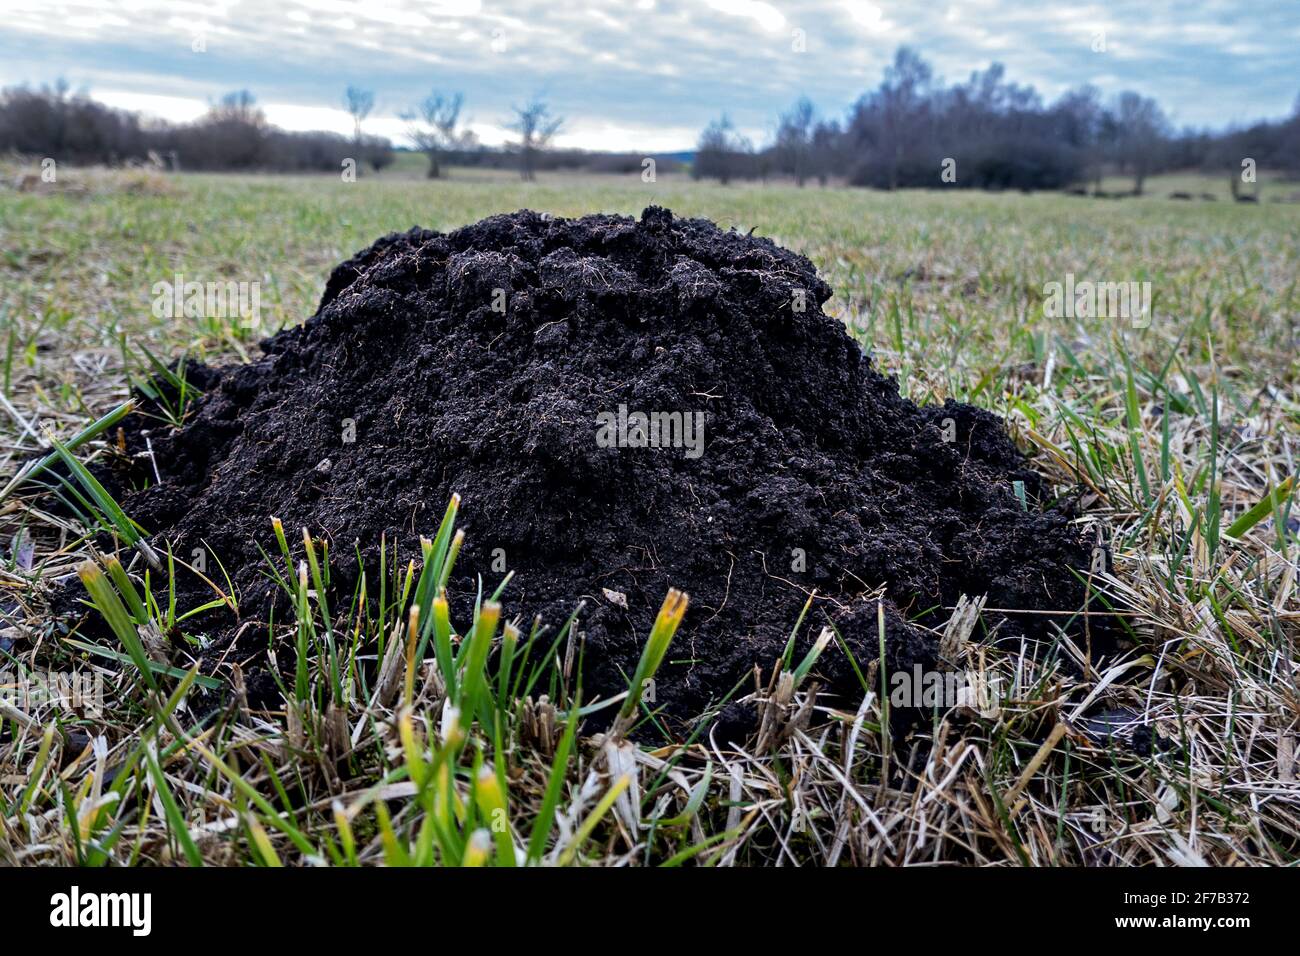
(626, 73)
(869, 15)
(764, 14)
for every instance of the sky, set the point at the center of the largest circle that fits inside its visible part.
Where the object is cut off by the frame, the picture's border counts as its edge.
(642, 75)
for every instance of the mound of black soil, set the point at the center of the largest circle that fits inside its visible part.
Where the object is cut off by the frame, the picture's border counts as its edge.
(508, 360)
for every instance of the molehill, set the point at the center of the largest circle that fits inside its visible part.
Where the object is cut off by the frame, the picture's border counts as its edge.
(511, 361)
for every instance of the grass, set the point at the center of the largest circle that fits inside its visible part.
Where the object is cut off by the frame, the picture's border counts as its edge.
(407, 737)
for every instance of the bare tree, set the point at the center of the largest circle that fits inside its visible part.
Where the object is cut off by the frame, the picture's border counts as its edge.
(722, 153)
(239, 106)
(893, 123)
(1082, 124)
(825, 150)
(1141, 129)
(794, 134)
(432, 127)
(235, 132)
(359, 103)
(536, 128)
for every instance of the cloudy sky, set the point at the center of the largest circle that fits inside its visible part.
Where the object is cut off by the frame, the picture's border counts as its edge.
(640, 74)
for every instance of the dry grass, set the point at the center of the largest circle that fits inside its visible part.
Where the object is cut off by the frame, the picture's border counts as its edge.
(26, 177)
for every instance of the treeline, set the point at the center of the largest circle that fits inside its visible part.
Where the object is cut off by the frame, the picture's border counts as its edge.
(912, 130)
(233, 135)
(986, 133)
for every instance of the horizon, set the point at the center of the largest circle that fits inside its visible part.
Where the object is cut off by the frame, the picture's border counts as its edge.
(679, 65)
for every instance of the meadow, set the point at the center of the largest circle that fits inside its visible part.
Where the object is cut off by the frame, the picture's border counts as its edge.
(1177, 436)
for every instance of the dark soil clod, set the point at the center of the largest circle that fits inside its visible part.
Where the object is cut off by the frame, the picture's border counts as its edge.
(481, 361)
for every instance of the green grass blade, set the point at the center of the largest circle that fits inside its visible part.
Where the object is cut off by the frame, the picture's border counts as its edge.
(76, 441)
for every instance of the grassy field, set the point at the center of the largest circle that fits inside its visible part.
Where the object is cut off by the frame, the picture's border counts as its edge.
(1172, 433)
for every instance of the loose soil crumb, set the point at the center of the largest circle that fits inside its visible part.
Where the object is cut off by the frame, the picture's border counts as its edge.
(505, 361)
